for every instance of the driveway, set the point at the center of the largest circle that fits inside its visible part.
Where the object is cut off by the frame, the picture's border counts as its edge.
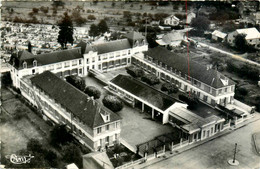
(237, 57)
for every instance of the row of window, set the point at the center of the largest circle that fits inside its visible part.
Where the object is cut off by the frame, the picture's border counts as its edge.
(107, 127)
(58, 65)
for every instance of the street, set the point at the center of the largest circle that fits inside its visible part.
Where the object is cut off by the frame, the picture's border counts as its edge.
(237, 57)
(215, 153)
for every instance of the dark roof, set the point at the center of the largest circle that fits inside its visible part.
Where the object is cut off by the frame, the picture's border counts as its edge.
(146, 93)
(200, 72)
(134, 36)
(109, 46)
(72, 99)
(44, 59)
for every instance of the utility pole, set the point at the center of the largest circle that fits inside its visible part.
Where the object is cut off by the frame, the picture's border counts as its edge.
(233, 161)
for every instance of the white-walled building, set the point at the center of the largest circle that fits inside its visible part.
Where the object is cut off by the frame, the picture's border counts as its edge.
(80, 60)
(208, 85)
(92, 124)
(252, 36)
(172, 20)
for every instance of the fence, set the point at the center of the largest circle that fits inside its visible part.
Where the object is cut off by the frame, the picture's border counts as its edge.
(132, 163)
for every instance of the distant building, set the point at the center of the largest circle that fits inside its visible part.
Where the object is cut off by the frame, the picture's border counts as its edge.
(252, 36)
(61, 103)
(97, 160)
(173, 38)
(190, 16)
(218, 36)
(172, 20)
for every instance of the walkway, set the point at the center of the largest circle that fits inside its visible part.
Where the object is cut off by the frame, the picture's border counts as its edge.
(237, 57)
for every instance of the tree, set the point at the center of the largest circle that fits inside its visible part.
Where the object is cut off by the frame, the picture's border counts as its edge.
(76, 16)
(29, 47)
(134, 71)
(76, 82)
(34, 145)
(93, 31)
(35, 10)
(58, 3)
(113, 103)
(59, 135)
(91, 17)
(66, 31)
(93, 91)
(51, 157)
(113, 4)
(200, 23)
(6, 79)
(240, 42)
(102, 26)
(72, 154)
(150, 79)
(170, 88)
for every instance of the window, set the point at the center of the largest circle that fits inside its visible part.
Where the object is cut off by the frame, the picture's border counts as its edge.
(93, 59)
(74, 63)
(226, 89)
(99, 58)
(67, 64)
(24, 65)
(99, 130)
(107, 139)
(129, 52)
(80, 62)
(116, 136)
(117, 54)
(220, 91)
(107, 127)
(93, 66)
(87, 61)
(99, 67)
(111, 55)
(80, 71)
(35, 63)
(33, 71)
(117, 125)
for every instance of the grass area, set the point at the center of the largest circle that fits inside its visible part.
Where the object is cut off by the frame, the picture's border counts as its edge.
(17, 132)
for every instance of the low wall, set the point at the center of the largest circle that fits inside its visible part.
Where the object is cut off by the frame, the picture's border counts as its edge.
(242, 105)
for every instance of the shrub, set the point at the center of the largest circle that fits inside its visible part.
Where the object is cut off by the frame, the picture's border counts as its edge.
(113, 103)
(150, 79)
(34, 145)
(134, 71)
(6, 79)
(170, 88)
(76, 82)
(19, 113)
(92, 91)
(191, 101)
(60, 135)
(242, 91)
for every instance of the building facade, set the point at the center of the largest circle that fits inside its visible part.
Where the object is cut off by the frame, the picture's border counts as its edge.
(61, 103)
(172, 20)
(80, 60)
(207, 84)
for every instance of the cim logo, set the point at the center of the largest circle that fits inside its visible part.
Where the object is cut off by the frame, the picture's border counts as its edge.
(16, 159)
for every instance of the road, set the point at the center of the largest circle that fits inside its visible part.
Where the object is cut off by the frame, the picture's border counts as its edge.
(215, 153)
(237, 57)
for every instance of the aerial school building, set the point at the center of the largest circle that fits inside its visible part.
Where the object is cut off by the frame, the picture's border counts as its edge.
(102, 127)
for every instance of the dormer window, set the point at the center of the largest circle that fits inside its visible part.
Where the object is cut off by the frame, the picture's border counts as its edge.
(24, 65)
(105, 115)
(35, 63)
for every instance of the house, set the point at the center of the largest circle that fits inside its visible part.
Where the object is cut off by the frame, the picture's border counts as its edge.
(190, 16)
(59, 102)
(171, 20)
(171, 39)
(252, 36)
(80, 60)
(209, 85)
(218, 36)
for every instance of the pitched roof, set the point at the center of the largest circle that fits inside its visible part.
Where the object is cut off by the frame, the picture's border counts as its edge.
(146, 93)
(200, 72)
(72, 99)
(219, 34)
(44, 59)
(251, 33)
(134, 35)
(109, 46)
(172, 17)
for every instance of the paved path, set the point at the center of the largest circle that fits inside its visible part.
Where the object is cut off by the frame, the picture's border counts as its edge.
(215, 153)
(237, 57)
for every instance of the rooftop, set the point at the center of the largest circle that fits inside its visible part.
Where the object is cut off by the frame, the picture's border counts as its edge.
(72, 99)
(251, 33)
(143, 91)
(44, 59)
(108, 47)
(197, 71)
